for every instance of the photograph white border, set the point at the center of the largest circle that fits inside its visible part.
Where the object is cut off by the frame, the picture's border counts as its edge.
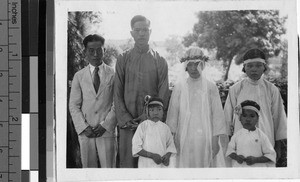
(62, 7)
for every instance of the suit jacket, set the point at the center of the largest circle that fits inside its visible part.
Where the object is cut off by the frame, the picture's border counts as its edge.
(89, 108)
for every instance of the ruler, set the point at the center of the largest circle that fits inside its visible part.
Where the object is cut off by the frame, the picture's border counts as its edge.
(10, 90)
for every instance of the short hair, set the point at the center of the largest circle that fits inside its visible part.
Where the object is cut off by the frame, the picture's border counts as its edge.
(154, 101)
(93, 38)
(138, 18)
(250, 103)
(253, 53)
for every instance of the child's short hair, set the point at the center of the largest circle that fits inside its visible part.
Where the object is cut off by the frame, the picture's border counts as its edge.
(249, 104)
(155, 101)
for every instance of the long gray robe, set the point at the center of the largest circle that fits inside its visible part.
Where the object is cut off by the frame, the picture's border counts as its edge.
(139, 72)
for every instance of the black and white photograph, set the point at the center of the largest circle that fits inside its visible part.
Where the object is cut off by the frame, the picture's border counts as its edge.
(203, 89)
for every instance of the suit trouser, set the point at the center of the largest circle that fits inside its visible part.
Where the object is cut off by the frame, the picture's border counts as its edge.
(125, 149)
(105, 148)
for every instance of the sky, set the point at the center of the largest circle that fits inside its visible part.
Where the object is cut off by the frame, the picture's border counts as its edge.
(174, 18)
(167, 18)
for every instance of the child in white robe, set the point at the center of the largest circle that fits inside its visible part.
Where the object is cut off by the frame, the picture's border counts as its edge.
(250, 147)
(153, 142)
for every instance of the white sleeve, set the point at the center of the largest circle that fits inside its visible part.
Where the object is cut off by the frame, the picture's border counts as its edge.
(137, 141)
(231, 146)
(267, 148)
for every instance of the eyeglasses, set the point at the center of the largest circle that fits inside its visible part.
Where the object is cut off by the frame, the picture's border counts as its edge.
(141, 30)
(93, 51)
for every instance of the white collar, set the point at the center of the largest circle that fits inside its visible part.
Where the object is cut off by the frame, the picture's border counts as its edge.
(255, 82)
(92, 68)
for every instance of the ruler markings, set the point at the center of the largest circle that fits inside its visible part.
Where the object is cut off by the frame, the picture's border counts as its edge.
(10, 71)
(8, 97)
(14, 27)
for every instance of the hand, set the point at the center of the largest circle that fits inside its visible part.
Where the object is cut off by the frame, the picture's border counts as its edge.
(99, 130)
(141, 118)
(240, 159)
(133, 124)
(157, 158)
(89, 132)
(250, 160)
(166, 159)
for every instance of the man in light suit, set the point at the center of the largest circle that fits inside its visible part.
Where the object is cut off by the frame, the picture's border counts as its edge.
(91, 107)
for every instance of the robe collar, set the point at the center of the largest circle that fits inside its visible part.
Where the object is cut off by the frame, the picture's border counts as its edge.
(255, 82)
(141, 50)
(249, 131)
(152, 122)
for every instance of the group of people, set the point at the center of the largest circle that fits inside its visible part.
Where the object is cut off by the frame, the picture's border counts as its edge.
(188, 128)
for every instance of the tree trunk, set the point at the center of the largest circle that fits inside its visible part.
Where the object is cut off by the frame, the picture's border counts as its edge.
(227, 69)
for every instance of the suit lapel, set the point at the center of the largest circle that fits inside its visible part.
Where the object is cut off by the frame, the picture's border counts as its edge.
(88, 80)
(104, 77)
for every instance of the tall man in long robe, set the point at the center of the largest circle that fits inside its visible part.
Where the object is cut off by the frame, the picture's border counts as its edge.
(140, 71)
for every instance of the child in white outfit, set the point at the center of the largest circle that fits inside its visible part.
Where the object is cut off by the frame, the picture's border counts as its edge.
(153, 142)
(250, 147)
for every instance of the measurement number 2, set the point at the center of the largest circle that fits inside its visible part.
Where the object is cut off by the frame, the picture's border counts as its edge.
(14, 118)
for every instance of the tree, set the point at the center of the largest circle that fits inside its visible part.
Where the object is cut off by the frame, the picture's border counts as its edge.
(127, 45)
(284, 58)
(111, 54)
(175, 49)
(79, 24)
(232, 33)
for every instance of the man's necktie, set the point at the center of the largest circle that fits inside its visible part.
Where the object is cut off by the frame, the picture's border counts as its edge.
(96, 79)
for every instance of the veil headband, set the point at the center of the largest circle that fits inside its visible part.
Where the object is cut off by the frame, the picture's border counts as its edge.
(194, 53)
